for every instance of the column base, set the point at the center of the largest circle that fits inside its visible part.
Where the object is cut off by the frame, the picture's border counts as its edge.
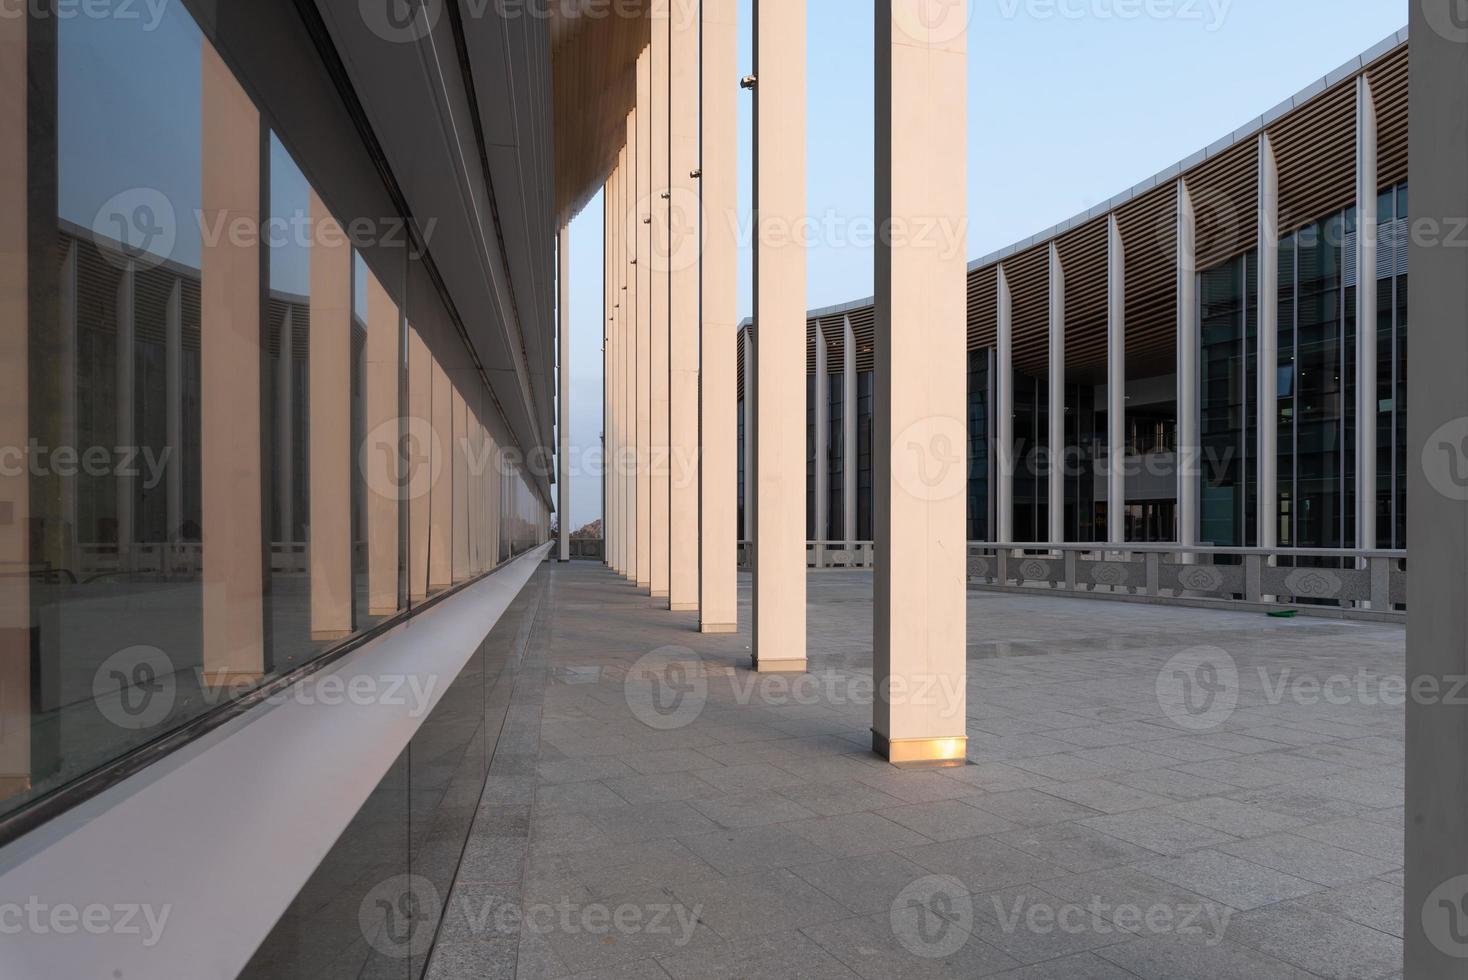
(713, 629)
(382, 610)
(660, 593)
(683, 606)
(767, 666)
(14, 786)
(326, 636)
(921, 753)
(645, 584)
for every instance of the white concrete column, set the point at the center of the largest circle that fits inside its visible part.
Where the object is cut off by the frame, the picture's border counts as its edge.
(660, 382)
(606, 373)
(612, 518)
(1004, 413)
(1366, 234)
(1056, 483)
(631, 462)
(920, 478)
(173, 408)
(780, 304)
(1189, 448)
(563, 348)
(330, 427)
(125, 406)
(1267, 484)
(618, 459)
(233, 508)
(1115, 384)
(15, 550)
(849, 403)
(717, 473)
(381, 465)
(641, 215)
(821, 393)
(1436, 865)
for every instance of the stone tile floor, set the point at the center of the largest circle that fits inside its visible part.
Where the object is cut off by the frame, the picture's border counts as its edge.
(1152, 792)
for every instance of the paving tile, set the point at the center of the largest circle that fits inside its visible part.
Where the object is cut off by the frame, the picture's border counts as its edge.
(1376, 904)
(575, 798)
(1327, 945)
(863, 886)
(1067, 766)
(1032, 808)
(747, 778)
(1105, 796)
(757, 904)
(1157, 831)
(917, 787)
(996, 777)
(946, 820)
(833, 799)
(1083, 966)
(1032, 925)
(873, 947)
(777, 957)
(740, 851)
(649, 821)
(1074, 847)
(982, 863)
(751, 810)
(1229, 879)
(1232, 817)
(597, 937)
(581, 770)
(1310, 859)
(1364, 836)
(668, 760)
(1175, 958)
(855, 834)
(661, 787)
(1175, 785)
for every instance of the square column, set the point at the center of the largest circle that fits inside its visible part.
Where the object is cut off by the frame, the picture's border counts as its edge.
(848, 434)
(331, 461)
(641, 215)
(1189, 448)
(15, 313)
(1436, 885)
(125, 401)
(1268, 347)
(1366, 395)
(1004, 414)
(460, 381)
(173, 401)
(1056, 484)
(683, 258)
(612, 518)
(780, 304)
(563, 348)
(235, 545)
(1115, 384)
(658, 273)
(631, 459)
(920, 479)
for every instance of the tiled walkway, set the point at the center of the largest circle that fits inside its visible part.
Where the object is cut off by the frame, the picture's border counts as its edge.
(1152, 792)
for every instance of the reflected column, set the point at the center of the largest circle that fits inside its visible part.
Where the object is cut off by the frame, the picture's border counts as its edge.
(1367, 399)
(1188, 423)
(441, 498)
(1004, 413)
(1267, 505)
(15, 509)
(848, 435)
(124, 405)
(331, 427)
(384, 432)
(1057, 454)
(1115, 384)
(235, 544)
(419, 475)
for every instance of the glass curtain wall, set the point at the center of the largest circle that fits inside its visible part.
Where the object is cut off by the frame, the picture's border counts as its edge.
(207, 467)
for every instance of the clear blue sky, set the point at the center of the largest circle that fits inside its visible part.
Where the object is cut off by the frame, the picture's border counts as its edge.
(1069, 104)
